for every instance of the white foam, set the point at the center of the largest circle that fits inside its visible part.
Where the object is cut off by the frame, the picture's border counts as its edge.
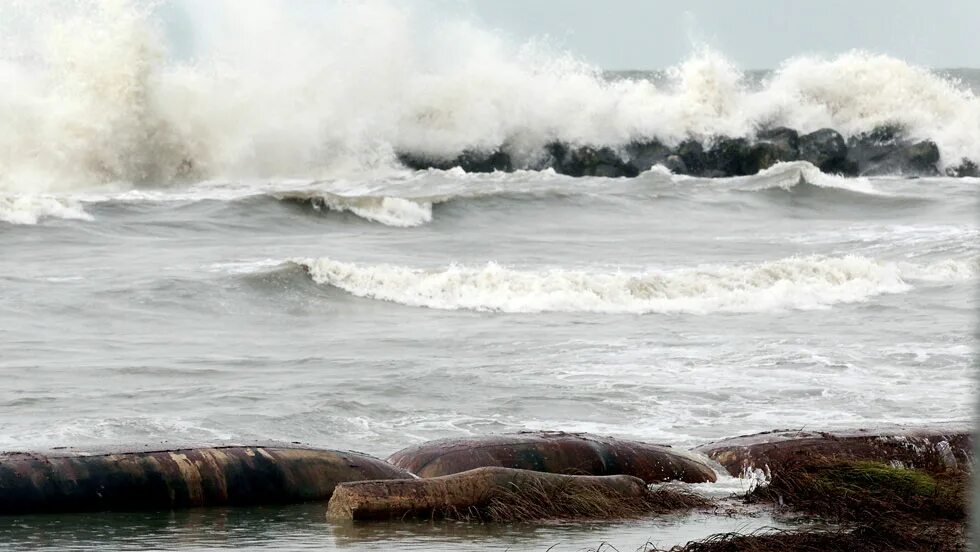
(244, 267)
(859, 90)
(725, 486)
(29, 209)
(111, 431)
(794, 283)
(947, 270)
(89, 95)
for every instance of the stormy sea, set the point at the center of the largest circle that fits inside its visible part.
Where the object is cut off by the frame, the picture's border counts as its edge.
(364, 245)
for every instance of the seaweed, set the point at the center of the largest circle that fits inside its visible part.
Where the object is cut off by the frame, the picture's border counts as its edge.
(875, 506)
(942, 537)
(861, 490)
(539, 502)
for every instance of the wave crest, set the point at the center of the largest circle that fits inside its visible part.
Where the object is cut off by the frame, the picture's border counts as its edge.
(793, 283)
(390, 211)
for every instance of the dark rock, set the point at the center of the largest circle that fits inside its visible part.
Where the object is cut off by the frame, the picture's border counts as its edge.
(921, 158)
(774, 145)
(886, 134)
(885, 150)
(644, 155)
(604, 162)
(589, 161)
(875, 150)
(932, 448)
(470, 161)
(419, 162)
(66, 481)
(554, 452)
(965, 168)
(763, 155)
(554, 157)
(827, 150)
(737, 157)
(787, 138)
(727, 156)
(691, 153)
(675, 164)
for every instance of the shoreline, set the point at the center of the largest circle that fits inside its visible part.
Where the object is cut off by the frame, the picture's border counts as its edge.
(871, 488)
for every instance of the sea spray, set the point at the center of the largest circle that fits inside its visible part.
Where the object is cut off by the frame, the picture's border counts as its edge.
(104, 95)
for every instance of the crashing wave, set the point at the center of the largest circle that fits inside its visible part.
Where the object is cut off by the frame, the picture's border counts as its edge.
(95, 98)
(29, 209)
(794, 283)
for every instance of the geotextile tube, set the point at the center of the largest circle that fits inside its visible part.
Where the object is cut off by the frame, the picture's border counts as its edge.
(166, 479)
(554, 452)
(930, 448)
(467, 492)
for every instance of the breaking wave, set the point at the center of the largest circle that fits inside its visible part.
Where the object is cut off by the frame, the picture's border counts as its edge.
(794, 283)
(790, 175)
(29, 209)
(408, 210)
(91, 93)
(390, 211)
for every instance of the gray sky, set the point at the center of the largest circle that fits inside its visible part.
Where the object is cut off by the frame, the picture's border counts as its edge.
(755, 34)
(654, 34)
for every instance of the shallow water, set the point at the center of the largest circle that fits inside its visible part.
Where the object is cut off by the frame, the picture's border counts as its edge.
(303, 528)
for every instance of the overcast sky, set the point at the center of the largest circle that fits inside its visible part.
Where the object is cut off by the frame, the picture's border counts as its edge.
(755, 34)
(655, 34)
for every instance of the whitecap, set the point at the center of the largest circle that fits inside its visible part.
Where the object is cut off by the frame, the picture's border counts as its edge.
(813, 282)
(29, 209)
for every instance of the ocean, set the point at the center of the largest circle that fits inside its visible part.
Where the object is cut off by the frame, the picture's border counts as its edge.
(226, 249)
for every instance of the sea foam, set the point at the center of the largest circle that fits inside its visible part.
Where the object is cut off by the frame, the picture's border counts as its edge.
(29, 209)
(92, 93)
(812, 282)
